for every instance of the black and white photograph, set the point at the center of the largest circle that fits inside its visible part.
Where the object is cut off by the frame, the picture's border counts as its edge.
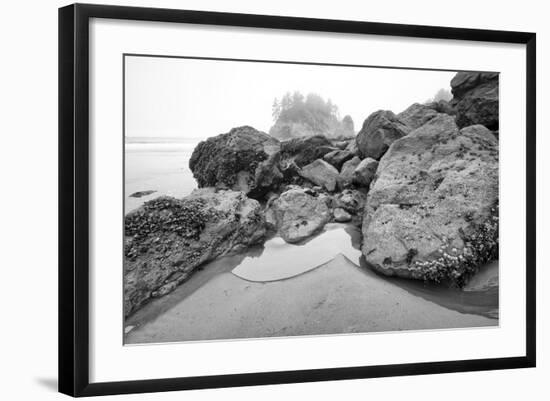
(279, 199)
(275, 201)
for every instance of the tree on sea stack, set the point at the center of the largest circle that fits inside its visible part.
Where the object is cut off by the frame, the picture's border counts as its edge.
(296, 115)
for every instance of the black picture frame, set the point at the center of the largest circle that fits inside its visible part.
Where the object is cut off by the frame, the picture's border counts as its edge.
(74, 198)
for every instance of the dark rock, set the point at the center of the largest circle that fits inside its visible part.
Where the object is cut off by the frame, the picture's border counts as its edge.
(291, 172)
(298, 213)
(365, 172)
(321, 173)
(139, 194)
(167, 238)
(432, 212)
(268, 177)
(463, 82)
(244, 159)
(337, 158)
(476, 98)
(379, 131)
(302, 151)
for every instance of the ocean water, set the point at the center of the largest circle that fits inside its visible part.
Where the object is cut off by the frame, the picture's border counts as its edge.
(157, 164)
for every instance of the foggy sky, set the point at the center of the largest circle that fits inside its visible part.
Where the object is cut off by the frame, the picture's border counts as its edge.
(168, 97)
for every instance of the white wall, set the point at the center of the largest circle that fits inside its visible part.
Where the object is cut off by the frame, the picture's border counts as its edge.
(28, 165)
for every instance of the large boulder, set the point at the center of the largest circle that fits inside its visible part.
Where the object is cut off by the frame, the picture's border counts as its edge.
(337, 158)
(299, 213)
(244, 159)
(416, 115)
(365, 172)
(476, 98)
(379, 131)
(432, 212)
(167, 238)
(345, 178)
(321, 173)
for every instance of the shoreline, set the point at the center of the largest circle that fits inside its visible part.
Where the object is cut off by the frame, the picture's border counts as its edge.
(336, 297)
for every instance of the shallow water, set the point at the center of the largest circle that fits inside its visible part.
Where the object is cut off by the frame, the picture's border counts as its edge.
(278, 260)
(157, 164)
(480, 301)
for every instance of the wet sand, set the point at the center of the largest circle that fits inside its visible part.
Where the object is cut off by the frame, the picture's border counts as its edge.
(336, 297)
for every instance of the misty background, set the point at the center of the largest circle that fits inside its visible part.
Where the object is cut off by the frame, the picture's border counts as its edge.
(196, 99)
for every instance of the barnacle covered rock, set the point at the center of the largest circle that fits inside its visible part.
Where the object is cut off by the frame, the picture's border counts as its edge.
(432, 212)
(167, 239)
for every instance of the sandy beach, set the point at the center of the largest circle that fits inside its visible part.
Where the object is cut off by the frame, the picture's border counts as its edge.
(336, 297)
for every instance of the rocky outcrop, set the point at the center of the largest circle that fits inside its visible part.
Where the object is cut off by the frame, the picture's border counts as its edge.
(365, 172)
(416, 115)
(299, 213)
(476, 98)
(432, 212)
(321, 173)
(167, 239)
(337, 158)
(345, 178)
(379, 131)
(244, 159)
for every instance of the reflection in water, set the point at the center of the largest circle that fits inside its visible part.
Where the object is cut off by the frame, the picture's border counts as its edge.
(280, 260)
